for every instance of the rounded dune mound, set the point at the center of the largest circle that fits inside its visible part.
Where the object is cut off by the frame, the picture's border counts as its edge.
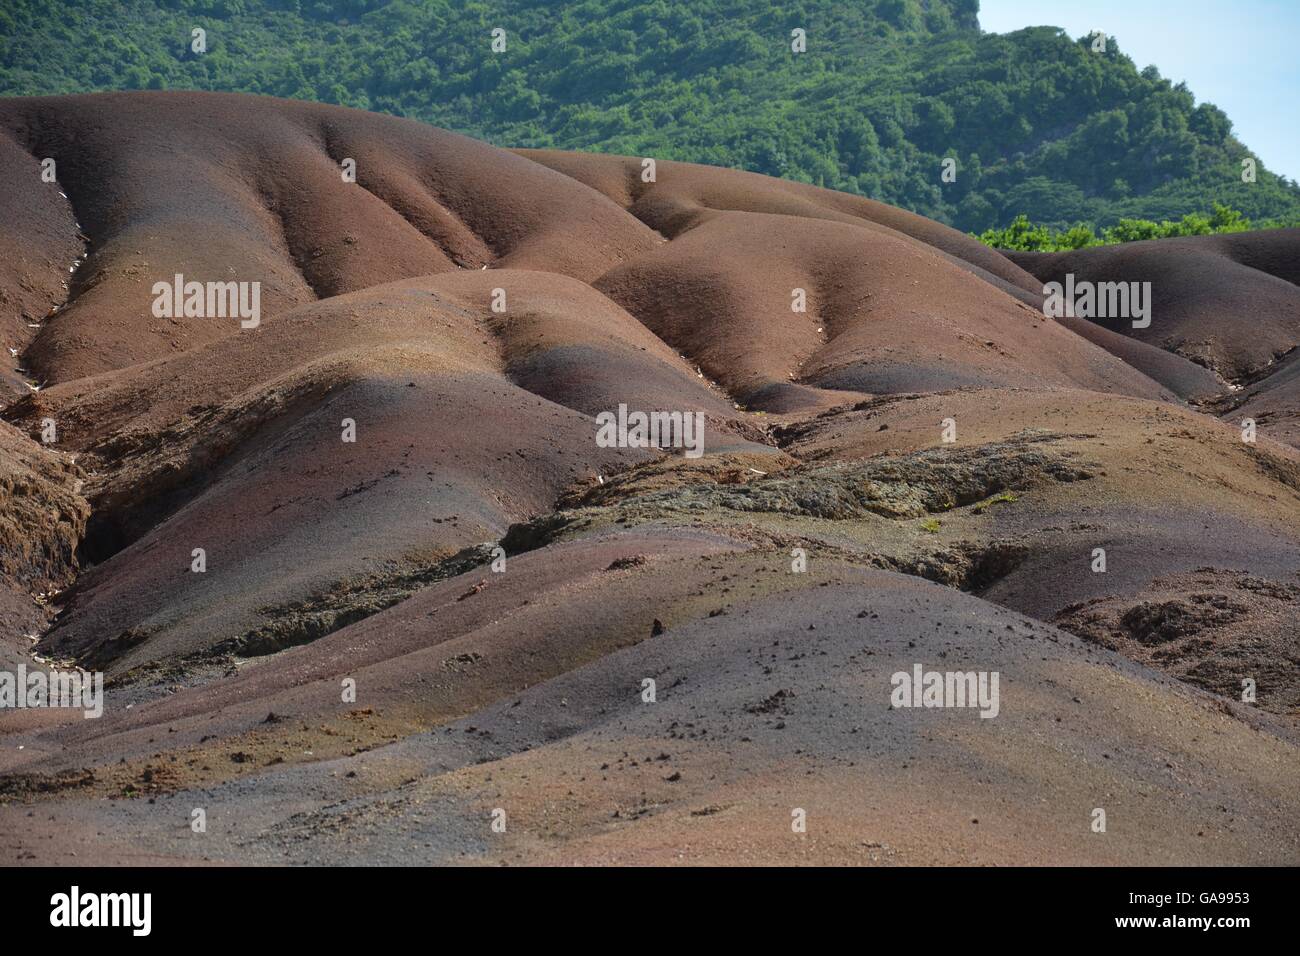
(1183, 377)
(1273, 404)
(399, 481)
(266, 179)
(39, 251)
(1159, 489)
(882, 314)
(154, 441)
(442, 463)
(426, 373)
(1229, 303)
(784, 701)
(1272, 251)
(684, 194)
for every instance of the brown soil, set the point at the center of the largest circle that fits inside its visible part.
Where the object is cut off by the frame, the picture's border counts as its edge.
(459, 611)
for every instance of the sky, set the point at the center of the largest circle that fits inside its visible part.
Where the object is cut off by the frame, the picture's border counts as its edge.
(1243, 56)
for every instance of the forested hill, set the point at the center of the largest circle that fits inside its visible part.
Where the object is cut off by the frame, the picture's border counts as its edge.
(1038, 122)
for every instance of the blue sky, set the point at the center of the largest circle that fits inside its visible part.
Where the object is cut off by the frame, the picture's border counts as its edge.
(1243, 56)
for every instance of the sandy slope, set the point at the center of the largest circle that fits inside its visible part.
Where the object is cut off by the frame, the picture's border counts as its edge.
(520, 689)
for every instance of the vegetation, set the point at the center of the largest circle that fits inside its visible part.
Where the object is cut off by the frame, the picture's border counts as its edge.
(1037, 122)
(1024, 236)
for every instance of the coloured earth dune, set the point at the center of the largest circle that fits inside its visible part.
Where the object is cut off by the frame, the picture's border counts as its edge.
(363, 581)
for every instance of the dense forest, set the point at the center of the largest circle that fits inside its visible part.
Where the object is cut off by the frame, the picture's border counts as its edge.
(1037, 123)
